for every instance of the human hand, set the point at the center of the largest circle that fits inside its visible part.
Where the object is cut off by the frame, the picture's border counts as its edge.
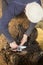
(13, 45)
(24, 39)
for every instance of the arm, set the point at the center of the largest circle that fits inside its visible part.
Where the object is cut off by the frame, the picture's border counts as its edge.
(11, 11)
(30, 29)
(8, 36)
(27, 33)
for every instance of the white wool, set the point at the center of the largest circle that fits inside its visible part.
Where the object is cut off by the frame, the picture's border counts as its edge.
(34, 12)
